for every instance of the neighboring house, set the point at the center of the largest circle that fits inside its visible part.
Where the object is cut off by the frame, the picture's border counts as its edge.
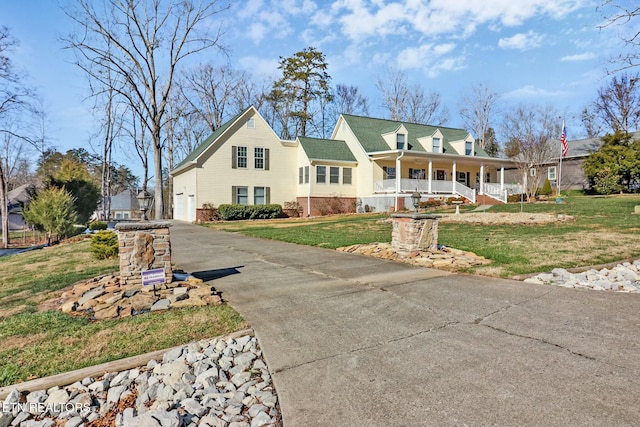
(367, 164)
(18, 198)
(570, 172)
(125, 206)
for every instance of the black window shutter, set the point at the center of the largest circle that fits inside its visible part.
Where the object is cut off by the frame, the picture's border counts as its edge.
(234, 195)
(267, 195)
(234, 158)
(266, 159)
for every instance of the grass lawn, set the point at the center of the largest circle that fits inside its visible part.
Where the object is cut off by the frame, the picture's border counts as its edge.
(605, 230)
(36, 342)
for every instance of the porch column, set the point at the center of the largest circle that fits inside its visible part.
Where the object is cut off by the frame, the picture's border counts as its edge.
(501, 179)
(481, 179)
(430, 175)
(398, 179)
(454, 174)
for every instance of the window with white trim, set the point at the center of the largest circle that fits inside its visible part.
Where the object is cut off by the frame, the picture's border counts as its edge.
(468, 148)
(321, 174)
(346, 175)
(436, 145)
(251, 123)
(417, 173)
(259, 196)
(551, 173)
(334, 175)
(258, 158)
(241, 157)
(240, 195)
(400, 141)
(389, 172)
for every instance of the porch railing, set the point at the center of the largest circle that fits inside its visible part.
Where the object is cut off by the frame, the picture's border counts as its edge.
(501, 192)
(422, 186)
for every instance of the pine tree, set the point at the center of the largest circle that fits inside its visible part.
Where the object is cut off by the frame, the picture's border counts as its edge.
(53, 211)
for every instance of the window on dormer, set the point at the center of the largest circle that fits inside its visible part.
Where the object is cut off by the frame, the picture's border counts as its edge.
(400, 143)
(436, 145)
(468, 148)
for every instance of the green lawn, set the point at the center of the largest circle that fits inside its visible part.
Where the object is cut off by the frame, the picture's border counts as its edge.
(604, 230)
(38, 341)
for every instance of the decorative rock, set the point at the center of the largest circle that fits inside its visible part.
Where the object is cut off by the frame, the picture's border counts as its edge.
(187, 388)
(162, 304)
(445, 258)
(622, 278)
(107, 298)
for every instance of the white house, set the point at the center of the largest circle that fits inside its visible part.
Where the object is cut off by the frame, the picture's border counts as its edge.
(367, 162)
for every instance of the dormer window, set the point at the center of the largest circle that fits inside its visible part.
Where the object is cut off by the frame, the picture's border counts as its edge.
(468, 148)
(436, 145)
(400, 142)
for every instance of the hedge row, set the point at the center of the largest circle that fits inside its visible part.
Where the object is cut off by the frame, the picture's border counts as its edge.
(236, 212)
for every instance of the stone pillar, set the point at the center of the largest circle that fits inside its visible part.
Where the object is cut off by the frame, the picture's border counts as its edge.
(414, 232)
(143, 246)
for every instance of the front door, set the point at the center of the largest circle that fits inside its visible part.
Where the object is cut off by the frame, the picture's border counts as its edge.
(463, 178)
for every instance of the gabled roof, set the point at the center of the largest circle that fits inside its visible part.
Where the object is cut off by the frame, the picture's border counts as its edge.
(369, 132)
(207, 142)
(584, 147)
(326, 149)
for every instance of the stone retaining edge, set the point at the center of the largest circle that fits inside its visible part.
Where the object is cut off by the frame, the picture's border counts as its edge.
(67, 378)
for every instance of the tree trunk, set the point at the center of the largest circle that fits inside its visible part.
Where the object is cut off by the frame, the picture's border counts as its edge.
(157, 157)
(4, 208)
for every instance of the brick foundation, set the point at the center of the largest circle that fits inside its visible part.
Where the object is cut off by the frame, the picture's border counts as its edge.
(414, 232)
(143, 246)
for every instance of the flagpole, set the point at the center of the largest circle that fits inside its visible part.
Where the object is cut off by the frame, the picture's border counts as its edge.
(563, 143)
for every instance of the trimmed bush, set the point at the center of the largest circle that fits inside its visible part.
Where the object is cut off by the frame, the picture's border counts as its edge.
(239, 212)
(104, 244)
(97, 225)
(514, 198)
(546, 189)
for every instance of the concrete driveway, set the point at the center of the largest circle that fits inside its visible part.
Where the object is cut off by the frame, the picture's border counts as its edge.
(356, 341)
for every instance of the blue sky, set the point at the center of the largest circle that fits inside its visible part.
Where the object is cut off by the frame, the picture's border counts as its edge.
(547, 52)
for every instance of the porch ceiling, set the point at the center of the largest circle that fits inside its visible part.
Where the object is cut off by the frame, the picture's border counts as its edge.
(423, 157)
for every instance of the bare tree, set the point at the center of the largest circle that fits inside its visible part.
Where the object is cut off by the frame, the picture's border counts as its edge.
(15, 99)
(410, 103)
(142, 44)
(477, 107)
(211, 92)
(618, 103)
(528, 131)
(624, 18)
(591, 122)
(349, 100)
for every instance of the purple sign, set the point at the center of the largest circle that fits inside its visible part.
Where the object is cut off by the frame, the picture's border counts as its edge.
(153, 277)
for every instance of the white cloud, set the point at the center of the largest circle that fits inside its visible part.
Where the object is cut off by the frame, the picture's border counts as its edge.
(521, 41)
(430, 58)
(532, 92)
(260, 66)
(579, 57)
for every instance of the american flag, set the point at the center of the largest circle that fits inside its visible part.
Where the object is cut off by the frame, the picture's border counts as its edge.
(563, 141)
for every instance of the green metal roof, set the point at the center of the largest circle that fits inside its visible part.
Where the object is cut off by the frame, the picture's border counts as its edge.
(369, 132)
(207, 142)
(326, 149)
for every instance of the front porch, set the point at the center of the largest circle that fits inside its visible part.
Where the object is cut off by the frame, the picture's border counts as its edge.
(441, 188)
